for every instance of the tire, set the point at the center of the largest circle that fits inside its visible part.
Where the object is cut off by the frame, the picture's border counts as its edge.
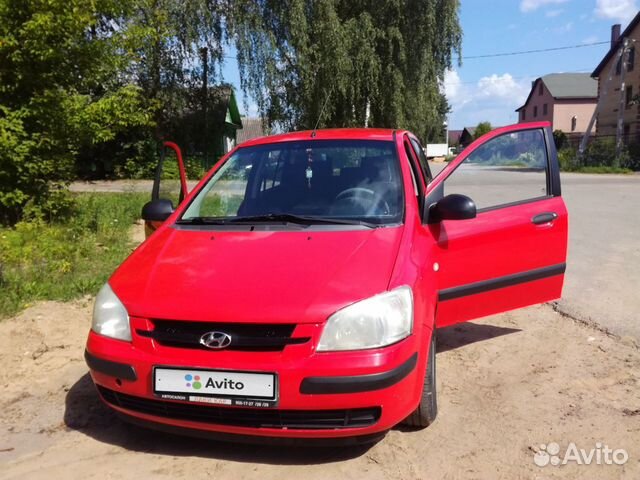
(425, 414)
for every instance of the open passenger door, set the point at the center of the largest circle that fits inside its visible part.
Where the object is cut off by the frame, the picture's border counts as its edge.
(499, 224)
(169, 188)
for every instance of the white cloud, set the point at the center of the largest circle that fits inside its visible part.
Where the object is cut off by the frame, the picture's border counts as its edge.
(619, 10)
(590, 39)
(493, 98)
(531, 5)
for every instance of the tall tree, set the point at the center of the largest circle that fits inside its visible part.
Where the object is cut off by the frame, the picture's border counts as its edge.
(378, 63)
(59, 90)
(164, 41)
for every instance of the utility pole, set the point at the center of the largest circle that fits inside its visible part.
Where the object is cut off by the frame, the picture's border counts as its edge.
(621, 105)
(601, 96)
(205, 76)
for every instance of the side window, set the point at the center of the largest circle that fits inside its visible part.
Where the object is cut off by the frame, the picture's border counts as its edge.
(422, 157)
(418, 183)
(231, 181)
(506, 169)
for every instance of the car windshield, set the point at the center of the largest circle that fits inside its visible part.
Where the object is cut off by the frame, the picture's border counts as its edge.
(349, 181)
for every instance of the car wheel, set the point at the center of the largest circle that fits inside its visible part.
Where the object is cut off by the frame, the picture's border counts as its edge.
(425, 414)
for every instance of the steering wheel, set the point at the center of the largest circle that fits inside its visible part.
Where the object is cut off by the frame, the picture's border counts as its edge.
(356, 195)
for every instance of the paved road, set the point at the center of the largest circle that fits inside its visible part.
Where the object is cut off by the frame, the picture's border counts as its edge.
(603, 270)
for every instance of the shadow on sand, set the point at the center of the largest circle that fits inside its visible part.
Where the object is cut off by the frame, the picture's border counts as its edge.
(85, 412)
(457, 336)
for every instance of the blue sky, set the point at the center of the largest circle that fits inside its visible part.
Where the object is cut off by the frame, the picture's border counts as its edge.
(492, 88)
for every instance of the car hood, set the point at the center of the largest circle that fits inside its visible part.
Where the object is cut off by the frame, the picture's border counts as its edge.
(259, 276)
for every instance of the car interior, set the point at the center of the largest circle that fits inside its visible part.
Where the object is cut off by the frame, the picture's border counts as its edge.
(320, 185)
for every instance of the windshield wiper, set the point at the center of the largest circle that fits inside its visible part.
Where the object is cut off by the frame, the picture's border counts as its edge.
(275, 217)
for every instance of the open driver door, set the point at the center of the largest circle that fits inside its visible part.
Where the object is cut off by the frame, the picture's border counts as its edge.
(169, 188)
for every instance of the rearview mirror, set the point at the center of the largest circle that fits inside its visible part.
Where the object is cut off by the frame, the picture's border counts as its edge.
(452, 207)
(157, 210)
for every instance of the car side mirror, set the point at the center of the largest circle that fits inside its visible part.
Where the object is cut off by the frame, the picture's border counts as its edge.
(157, 210)
(452, 207)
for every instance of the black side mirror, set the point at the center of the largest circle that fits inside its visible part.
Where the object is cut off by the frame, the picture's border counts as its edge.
(157, 210)
(452, 207)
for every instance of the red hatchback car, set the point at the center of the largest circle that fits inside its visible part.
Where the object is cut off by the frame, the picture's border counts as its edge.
(295, 292)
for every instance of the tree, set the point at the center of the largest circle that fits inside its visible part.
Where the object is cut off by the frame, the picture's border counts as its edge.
(59, 91)
(481, 129)
(365, 62)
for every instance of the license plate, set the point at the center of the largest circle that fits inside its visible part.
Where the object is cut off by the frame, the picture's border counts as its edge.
(223, 387)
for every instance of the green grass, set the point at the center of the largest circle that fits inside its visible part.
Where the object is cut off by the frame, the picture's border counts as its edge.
(598, 169)
(68, 259)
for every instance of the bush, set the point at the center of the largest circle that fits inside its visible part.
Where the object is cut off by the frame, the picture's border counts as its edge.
(66, 259)
(567, 157)
(633, 162)
(560, 139)
(602, 152)
(600, 157)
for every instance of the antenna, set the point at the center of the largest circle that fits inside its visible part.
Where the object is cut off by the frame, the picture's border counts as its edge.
(313, 133)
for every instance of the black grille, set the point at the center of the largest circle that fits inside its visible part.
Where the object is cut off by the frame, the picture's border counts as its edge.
(246, 417)
(244, 336)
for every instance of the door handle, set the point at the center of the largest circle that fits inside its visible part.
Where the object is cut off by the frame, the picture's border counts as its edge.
(544, 218)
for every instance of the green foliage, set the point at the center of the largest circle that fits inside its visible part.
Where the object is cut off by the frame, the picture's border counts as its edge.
(65, 260)
(560, 139)
(603, 169)
(600, 157)
(633, 159)
(90, 87)
(60, 93)
(386, 58)
(602, 152)
(568, 160)
(481, 129)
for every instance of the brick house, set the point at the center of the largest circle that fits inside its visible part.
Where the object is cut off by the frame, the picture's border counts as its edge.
(567, 100)
(609, 106)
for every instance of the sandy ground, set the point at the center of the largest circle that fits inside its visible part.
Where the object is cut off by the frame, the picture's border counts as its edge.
(507, 384)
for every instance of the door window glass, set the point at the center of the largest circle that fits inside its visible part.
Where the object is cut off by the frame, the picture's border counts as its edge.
(167, 180)
(506, 169)
(422, 157)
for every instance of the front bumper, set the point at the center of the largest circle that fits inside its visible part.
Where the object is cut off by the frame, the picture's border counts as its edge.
(387, 380)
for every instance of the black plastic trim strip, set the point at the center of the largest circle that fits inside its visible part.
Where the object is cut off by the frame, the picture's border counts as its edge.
(358, 383)
(501, 282)
(114, 369)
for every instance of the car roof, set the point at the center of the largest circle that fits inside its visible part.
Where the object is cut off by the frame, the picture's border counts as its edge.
(325, 134)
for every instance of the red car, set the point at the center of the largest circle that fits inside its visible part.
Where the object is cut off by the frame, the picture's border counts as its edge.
(295, 292)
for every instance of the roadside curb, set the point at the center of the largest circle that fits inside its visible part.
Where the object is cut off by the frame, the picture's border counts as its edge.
(588, 322)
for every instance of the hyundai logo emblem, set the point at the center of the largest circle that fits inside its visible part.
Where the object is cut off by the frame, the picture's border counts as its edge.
(215, 340)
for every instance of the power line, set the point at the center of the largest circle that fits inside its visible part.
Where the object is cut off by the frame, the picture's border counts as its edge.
(506, 54)
(524, 52)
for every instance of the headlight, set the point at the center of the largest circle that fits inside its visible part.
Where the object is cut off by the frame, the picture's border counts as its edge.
(375, 322)
(110, 318)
